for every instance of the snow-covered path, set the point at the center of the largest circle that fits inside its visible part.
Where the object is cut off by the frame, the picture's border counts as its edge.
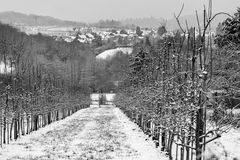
(92, 133)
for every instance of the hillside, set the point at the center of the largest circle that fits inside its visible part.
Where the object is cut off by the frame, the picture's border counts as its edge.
(150, 22)
(171, 24)
(34, 20)
(192, 21)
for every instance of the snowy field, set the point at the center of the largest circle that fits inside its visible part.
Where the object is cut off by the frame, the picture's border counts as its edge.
(92, 133)
(227, 147)
(95, 97)
(5, 68)
(100, 133)
(112, 52)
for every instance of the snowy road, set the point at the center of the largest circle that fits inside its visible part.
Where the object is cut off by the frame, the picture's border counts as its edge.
(92, 133)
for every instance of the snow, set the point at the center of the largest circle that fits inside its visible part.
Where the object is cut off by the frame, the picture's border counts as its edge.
(139, 141)
(5, 68)
(92, 133)
(103, 132)
(68, 40)
(66, 29)
(82, 40)
(123, 35)
(110, 96)
(227, 147)
(95, 100)
(95, 97)
(112, 52)
(82, 36)
(90, 35)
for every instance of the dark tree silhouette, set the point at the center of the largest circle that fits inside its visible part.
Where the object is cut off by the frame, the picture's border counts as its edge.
(161, 30)
(231, 31)
(138, 31)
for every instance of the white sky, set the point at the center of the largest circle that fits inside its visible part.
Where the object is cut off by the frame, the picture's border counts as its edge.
(94, 10)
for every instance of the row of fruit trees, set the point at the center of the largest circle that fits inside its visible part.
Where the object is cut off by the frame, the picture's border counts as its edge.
(175, 93)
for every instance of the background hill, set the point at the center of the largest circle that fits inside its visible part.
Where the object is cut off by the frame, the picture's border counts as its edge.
(150, 22)
(34, 20)
(192, 21)
(171, 24)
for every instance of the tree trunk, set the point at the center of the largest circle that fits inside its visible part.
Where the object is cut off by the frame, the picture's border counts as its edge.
(163, 140)
(11, 128)
(49, 117)
(15, 132)
(4, 129)
(1, 127)
(35, 121)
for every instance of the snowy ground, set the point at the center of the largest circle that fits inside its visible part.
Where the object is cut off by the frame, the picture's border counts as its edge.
(95, 97)
(92, 133)
(227, 147)
(112, 52)
(108, 96)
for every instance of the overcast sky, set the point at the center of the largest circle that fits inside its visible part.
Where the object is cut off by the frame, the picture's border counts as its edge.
(94, 10)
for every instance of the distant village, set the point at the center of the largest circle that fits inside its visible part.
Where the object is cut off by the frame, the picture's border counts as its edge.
(89, 34)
